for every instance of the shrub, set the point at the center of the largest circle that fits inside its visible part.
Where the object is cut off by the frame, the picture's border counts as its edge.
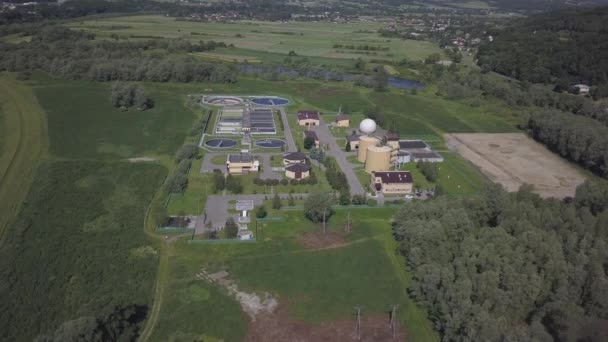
(284, 181)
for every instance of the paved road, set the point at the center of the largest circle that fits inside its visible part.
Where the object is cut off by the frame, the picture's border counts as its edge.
(217, 207)
(267, 172)
(336, 151)
(291, 144)
(208, 166)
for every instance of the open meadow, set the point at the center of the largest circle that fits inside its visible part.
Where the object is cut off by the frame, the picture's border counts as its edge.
(310, 39)
(315, 281)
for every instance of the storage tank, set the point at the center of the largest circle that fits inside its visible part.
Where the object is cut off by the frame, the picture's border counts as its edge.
(378, 158)
(366, 141)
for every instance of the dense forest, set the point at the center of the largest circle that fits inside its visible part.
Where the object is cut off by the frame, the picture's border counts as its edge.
(576, 138)
(510, 266)
(563, 48)
(76, 55)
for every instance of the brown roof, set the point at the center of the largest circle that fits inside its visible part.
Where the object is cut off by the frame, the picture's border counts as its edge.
(405, 144)
(311, 134)
(426, 155)
(354, 137)
(295, 156)
(394, 176)
(392, 136)
(342, 117)
(298, 168)
(308, 115)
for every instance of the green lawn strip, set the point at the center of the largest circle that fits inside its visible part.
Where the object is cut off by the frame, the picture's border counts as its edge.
(24, 142)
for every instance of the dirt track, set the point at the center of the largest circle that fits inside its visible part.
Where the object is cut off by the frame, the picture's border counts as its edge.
(512, 159)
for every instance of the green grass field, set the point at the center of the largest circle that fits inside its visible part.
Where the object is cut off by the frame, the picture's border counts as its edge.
(87, 126)
(24, 141)
(313, 282)
(305, 38)
(78, 248)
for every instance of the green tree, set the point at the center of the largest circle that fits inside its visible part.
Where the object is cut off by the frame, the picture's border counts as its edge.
(309, 142)
(232, 229)
(347, 147)
(261, 212)
(276, 202)
(319, 205)
(219, 182)
(379, 78)
(187, 151)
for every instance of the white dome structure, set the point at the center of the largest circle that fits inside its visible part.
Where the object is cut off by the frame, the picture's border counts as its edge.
(367, 126)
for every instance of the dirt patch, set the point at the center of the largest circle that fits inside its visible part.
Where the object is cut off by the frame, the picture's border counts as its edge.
(318, 240)
(512, 159)
(278, 326)
(251, 303)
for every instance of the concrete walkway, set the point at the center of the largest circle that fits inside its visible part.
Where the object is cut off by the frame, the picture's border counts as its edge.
(291, 144)
(335, 151)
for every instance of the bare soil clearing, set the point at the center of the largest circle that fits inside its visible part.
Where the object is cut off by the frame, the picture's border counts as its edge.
(278, 326)
(317, 240)
(512, 159)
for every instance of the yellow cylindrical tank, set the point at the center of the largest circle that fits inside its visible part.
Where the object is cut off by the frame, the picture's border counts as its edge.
(366, 141)
(378, 158)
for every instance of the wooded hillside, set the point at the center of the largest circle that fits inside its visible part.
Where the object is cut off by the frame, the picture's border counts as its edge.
(564, 48)
(510, 267)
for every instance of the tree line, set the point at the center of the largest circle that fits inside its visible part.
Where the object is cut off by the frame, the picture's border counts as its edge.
(576, 138)
(76, 55)
(565, 47)
(510, 266)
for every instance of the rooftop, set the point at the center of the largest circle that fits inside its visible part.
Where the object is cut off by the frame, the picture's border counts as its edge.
(240, 158)
(405, 144)
(308, 115)
(244, 205)
(392, 136)
(426, 155)
(311, 134)
(341, 117)
(295, 156)
(298, 168)
(354, 137)
(388, 177)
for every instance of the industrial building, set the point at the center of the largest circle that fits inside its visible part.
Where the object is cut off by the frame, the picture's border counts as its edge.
(294, 158)
(309, 118)
(392, 182)
(366, 141)
(242, 163)
(378, 158)
(259, 121)
(353, 140)
(342, 120)
(230, 121)
(314, 136)
(297, 171)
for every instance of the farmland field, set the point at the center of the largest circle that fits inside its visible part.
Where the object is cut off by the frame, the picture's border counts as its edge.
(306, 39)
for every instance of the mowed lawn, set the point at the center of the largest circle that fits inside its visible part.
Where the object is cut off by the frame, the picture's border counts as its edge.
(316, 286)
(314, 39)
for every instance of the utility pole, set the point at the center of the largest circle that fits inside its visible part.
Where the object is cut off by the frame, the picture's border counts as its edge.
(324, 226)
(348, 223)
(393, 323)
(358, 309)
